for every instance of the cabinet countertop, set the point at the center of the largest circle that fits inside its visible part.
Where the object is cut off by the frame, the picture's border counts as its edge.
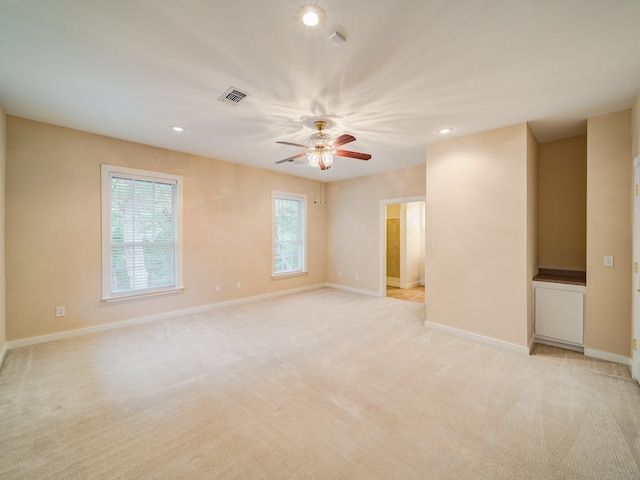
(572, 277)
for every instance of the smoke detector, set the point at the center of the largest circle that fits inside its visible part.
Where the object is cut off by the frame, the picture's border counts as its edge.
(337, 39)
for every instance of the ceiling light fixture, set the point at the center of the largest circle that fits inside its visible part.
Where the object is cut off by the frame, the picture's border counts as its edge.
(177, 128)
(310, 19)
(311, 16)
(322, 154)
(444, 130)
(321, 148)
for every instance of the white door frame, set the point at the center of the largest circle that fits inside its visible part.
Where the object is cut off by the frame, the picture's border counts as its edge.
(635, 353)
(382, 243)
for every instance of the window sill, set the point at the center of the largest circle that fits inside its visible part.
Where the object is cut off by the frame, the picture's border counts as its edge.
(134, 296)
(276, 276)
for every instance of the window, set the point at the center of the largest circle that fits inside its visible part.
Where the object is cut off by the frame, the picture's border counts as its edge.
(289, 235)
(141, 232)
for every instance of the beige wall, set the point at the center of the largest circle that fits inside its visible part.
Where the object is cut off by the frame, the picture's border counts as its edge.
(562, 203)
(481, 235)
(532, 225)
(635, 128)
(3, 163)
(609, 232)
(353, 224)
(477, 253)
(53, 229)
(413, 243)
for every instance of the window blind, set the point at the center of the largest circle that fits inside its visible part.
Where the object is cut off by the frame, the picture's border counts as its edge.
(142, 233)
(289, 234)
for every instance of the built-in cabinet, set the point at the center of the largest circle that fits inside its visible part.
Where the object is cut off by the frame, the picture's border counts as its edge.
(559, 314)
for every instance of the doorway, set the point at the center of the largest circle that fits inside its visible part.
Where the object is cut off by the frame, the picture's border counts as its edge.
(402, 248)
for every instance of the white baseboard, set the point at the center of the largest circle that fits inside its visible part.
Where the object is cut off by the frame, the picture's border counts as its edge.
(3, 353)
(553, 343)
(478, 338)
(393, 283)
(352, 290)
(609, 357)
(27, 342)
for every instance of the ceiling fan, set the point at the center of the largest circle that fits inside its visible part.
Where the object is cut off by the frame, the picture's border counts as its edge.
(322, 148)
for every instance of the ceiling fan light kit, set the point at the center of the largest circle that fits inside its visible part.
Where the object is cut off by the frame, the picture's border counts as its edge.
(322, 148)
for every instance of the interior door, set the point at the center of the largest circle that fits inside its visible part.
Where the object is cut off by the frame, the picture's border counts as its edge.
(635, 367)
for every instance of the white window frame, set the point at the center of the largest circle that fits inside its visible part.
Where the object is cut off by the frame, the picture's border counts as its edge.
(278, 195)
(106, 172)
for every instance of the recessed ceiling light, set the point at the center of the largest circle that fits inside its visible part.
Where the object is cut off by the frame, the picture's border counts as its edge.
(177, 128)
(310, 19)
(311, 15)
(444, 130)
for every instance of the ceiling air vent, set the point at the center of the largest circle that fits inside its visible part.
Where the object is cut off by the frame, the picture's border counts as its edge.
(233, 96)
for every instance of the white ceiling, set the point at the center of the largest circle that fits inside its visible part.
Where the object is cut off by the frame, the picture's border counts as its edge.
(131, 68)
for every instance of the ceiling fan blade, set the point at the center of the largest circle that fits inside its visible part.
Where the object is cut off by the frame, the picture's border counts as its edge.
(293, 144)
(342, 139)
(358, 155)
(291, 159)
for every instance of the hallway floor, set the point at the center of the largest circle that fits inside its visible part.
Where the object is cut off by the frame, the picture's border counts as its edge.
(413, 294)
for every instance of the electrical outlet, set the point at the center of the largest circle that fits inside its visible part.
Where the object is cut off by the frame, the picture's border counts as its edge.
(339, 274)
(217, 288)
(238, 285)
(60, 312)
(608, 260)
(357, 277)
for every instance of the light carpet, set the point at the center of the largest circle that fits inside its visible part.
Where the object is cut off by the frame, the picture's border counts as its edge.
(318, 385)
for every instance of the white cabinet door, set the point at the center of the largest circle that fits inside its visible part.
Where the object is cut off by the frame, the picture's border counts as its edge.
(559, 314)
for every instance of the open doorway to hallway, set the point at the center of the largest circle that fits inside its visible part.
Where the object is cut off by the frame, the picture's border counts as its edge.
(403, 262)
